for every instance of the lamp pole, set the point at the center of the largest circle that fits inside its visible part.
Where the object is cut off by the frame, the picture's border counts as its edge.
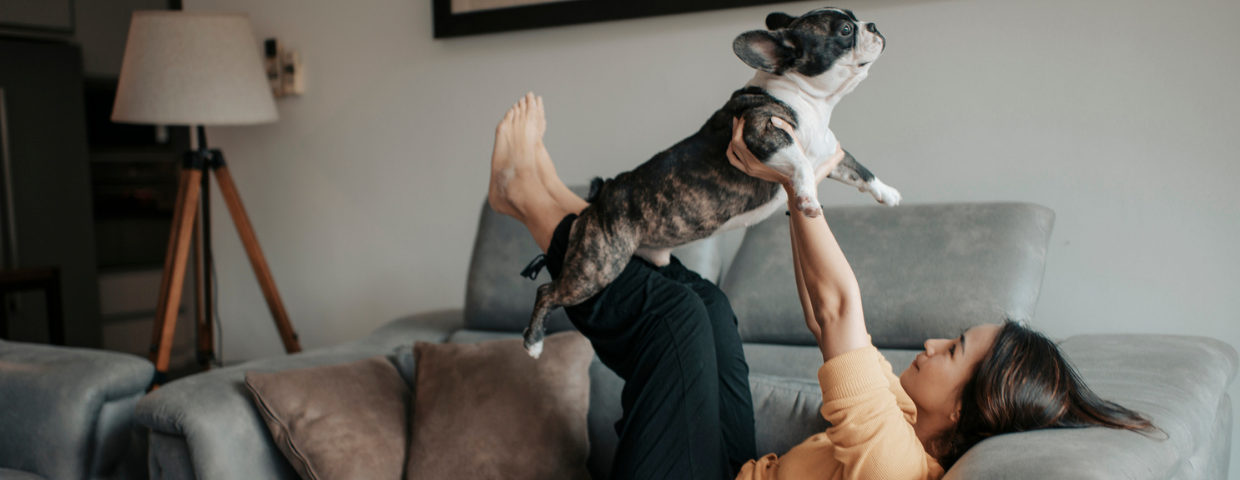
(206, 291)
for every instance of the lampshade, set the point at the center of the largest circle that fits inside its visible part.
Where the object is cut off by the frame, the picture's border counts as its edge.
(192, 68)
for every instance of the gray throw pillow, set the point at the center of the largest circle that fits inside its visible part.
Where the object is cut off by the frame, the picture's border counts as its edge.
(338, 421)
(489, 411)
(786, 412)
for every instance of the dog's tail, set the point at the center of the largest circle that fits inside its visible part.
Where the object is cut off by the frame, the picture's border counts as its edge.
(596, 186)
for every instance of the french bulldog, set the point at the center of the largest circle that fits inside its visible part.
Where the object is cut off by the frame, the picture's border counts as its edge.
(805, 65)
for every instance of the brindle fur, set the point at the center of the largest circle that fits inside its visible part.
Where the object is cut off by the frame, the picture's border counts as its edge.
(682, 194)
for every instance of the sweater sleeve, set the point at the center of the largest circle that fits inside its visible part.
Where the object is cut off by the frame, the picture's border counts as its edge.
(873, 438)
(902, 399)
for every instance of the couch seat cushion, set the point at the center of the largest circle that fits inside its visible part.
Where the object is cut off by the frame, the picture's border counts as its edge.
(786, 412)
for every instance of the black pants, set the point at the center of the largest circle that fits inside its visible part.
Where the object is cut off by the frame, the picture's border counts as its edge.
(671, 335)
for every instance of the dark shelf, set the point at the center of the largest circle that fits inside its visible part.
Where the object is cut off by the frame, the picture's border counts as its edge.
(134, 181)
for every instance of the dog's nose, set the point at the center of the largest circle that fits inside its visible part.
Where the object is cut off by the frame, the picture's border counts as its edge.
(874, 29)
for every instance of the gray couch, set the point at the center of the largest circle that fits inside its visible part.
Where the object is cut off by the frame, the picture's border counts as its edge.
(68, 413)
(925, 271)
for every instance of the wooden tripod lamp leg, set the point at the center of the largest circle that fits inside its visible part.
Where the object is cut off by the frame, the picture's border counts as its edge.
(229, 190)
(169, 256)
(173, 281)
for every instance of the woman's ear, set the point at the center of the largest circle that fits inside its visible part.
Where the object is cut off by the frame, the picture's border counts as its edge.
(955, 416)
(771, 52)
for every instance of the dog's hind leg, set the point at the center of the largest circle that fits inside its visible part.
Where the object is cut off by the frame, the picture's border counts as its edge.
(853, 173)
(547, 300)
(595, 257)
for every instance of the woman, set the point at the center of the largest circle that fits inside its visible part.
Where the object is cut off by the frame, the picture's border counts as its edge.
(991, 380)
(670, 334)
(686, 402)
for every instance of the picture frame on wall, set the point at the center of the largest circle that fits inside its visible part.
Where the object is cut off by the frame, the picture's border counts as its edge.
(50, 16)
(458, 18)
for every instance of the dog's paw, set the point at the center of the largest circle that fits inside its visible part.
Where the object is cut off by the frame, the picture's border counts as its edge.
(535, 350)
(809, 206)
(533, 343)
(883, 193)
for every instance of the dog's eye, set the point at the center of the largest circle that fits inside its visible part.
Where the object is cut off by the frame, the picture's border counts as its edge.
(846, 31)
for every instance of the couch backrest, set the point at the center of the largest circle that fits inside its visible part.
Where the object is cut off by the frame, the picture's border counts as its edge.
(497, 298)
(925, 271)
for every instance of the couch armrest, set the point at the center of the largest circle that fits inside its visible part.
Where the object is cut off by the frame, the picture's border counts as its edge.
(1179, 382)
(6, 474)
(67, 412)
(224, 432)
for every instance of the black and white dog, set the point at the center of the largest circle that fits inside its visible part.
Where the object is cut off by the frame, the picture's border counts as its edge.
(690, 191)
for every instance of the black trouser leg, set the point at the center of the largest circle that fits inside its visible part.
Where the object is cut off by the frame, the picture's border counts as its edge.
(735, 399)
(671, 426)
(673, 338)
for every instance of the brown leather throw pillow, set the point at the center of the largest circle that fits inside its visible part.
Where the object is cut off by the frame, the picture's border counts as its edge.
(490, 411)
(337, 421)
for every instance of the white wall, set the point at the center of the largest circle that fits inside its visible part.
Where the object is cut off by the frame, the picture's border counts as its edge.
(1119, 115)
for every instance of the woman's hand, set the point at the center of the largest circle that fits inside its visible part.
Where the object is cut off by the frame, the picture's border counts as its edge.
(740, 156)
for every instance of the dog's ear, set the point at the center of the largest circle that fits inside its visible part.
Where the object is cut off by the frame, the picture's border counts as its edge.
(778, 20)
(771, 52)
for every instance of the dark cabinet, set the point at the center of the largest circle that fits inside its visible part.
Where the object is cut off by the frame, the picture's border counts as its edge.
(46, 201)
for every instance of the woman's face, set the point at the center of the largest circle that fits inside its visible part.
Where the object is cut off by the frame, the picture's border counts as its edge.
(936, 377)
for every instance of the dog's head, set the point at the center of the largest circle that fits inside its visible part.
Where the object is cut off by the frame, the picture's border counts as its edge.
(827, 42)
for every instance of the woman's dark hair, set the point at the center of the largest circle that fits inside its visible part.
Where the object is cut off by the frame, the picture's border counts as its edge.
(1023, 384)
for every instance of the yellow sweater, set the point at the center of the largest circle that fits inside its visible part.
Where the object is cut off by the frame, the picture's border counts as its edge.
(871, 436)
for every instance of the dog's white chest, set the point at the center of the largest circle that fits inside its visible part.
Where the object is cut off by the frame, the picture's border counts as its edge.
(819, 143)
(813, 130)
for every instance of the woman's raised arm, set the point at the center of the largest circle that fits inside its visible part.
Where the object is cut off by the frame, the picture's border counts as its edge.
(824, 279)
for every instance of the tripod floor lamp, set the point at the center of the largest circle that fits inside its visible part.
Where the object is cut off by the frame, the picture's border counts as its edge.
(198, 69)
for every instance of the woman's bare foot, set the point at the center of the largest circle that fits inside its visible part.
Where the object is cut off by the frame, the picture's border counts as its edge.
(516, 188)
(514, 173)
(502, 170)
(546, 170)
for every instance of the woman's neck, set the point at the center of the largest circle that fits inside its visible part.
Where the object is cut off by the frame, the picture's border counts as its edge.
(929, 428)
